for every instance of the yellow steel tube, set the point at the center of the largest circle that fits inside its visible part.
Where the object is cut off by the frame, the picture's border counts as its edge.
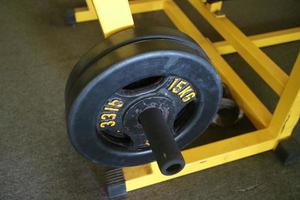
(287, 112)
(141, 6)
(203, 157)
(261, 63)
(138, 6)
(255, 110)
(85, 13)
(214, 7)
(263, 40)
(113, 15)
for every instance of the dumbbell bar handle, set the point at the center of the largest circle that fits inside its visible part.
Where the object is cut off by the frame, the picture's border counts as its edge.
(162, 142)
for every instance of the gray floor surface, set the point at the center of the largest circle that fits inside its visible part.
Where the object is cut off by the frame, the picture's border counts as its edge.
(37, 53)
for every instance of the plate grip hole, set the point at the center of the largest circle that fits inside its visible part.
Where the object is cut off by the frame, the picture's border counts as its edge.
(144, 83)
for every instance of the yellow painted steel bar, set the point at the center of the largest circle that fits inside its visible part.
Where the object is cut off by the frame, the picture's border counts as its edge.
(253, 107)
(223, 47)
(287, 112)
(214, 7)
(259, 61)
(85, 13)
(203, 157)
(139, 6)
(263, 40)
(113, 15)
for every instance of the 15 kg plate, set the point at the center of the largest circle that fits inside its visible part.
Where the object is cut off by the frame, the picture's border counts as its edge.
(127, 58)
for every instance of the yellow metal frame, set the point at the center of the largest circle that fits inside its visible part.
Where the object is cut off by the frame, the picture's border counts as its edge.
(271, 128)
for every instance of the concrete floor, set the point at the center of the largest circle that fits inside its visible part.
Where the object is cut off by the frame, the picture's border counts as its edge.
(37, 54)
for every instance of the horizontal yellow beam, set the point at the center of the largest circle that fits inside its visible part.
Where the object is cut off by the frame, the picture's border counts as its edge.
(85, 14)
(258, 60)
(263, 40)
(203, 157)
(253, 107)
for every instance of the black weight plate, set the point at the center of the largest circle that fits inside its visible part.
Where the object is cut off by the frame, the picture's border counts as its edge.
(122, 39)
(92, 84)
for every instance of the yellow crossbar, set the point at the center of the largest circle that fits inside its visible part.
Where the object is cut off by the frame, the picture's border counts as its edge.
(258, 60)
